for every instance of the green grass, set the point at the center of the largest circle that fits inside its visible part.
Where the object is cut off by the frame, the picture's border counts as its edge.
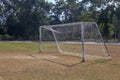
(19, 46)
(62, 68)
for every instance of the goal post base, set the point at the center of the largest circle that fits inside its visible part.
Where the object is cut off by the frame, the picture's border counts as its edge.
(82, 61)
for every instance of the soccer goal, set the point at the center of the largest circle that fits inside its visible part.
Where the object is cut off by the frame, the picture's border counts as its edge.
(77, 39)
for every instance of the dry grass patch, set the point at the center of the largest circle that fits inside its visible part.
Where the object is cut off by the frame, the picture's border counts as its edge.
(54, 66)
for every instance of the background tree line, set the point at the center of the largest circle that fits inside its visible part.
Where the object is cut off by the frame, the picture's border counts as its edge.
(20, 19)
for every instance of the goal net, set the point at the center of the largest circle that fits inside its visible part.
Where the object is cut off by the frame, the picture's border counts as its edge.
(78, 39)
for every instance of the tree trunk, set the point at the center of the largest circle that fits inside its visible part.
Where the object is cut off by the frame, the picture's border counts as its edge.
(119, 35)
(118, 28)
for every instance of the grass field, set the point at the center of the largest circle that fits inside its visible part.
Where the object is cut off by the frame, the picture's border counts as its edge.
(21, 61)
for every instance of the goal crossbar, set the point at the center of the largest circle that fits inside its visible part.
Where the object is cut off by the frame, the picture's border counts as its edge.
(81, 24)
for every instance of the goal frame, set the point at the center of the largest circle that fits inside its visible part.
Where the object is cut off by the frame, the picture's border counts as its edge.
(82, 36)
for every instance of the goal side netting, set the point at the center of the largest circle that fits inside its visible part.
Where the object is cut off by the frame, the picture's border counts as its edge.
(78, 39)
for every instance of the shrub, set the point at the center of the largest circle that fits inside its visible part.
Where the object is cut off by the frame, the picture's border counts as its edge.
(6, 37)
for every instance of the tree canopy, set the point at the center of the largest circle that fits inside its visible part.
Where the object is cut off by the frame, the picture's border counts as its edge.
(20, 19)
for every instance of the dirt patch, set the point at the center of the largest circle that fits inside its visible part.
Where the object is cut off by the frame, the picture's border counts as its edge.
(1, 78)
(29, 56)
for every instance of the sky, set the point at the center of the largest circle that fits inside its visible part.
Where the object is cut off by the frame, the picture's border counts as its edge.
(51, 1)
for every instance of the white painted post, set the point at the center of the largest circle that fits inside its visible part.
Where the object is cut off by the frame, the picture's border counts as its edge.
(104, 47)
(56, 42)
(83, 45)
(40, 38)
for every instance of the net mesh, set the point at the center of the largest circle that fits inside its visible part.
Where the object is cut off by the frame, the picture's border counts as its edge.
(66, 39)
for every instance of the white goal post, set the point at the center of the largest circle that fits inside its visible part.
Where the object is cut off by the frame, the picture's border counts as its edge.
(73, 34)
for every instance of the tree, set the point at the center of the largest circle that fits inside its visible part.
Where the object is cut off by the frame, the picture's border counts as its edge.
(106, 18)
(117, 22)
(71, 11)
(57, 11)
(23, 17)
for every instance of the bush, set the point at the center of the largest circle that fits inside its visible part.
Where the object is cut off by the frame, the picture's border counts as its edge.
(0, 37)
(6, 37)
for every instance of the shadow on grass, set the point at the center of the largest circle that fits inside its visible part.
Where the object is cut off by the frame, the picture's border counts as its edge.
(31, 55)
(63, 64)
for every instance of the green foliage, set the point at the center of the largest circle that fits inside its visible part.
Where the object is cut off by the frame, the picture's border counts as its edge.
(25, 17)
(5, 37)
(22, 18)
(0, 37)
